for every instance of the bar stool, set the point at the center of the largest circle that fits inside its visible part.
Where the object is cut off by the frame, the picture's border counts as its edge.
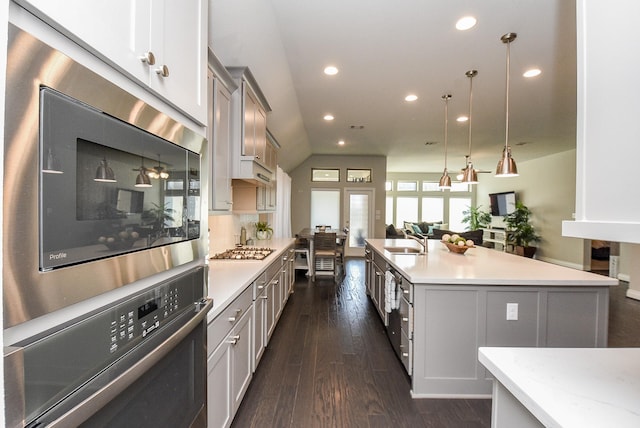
(324, 254)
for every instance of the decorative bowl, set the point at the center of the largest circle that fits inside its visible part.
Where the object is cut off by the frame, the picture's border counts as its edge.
(456, 248)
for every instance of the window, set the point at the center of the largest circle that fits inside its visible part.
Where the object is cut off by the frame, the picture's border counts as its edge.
(459, 187)
(358, 175)
(388, 186)
(407, 186)
(325, 174)
(456, 206)
(432, 209)
(406, 209)
(325, 207)
(430, 186)
(388, 219)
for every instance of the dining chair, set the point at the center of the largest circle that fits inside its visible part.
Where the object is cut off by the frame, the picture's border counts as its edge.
(324, 253)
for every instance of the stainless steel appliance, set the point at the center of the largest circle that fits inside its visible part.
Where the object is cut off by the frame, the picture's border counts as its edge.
(138, 362)
(70, 232)
(103, 263)
(244, 253)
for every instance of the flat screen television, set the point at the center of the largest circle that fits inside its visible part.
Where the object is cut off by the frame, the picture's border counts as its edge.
(502, 203)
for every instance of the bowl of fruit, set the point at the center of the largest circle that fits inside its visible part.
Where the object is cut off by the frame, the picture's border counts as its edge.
(456, 243)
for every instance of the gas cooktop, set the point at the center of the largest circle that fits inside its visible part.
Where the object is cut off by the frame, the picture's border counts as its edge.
(244, 253)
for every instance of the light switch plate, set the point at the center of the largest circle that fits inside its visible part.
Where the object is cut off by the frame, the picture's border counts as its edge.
(512, 312)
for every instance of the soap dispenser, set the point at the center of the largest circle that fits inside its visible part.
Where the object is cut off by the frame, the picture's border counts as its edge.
(243, 236)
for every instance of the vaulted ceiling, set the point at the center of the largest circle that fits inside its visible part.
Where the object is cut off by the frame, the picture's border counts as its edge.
(385, 50)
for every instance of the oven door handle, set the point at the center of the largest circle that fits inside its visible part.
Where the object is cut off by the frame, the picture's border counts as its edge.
(97, 401)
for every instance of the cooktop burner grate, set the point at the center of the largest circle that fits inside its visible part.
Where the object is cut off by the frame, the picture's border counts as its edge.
(244, 253)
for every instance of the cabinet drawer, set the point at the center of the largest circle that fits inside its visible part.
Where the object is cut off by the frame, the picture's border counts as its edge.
(273, 269)
(223, 323)
(259, 285)
(406, 317)
(406, 353)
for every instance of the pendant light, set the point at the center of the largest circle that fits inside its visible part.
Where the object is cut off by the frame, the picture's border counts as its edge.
(506, 165)
(142, 180)
(445, 180)
(158, 171)
(52, 164)
(104, 173)
(470, 176)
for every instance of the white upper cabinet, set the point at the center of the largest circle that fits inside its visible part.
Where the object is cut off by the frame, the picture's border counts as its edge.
(161, 44)
(221, 86)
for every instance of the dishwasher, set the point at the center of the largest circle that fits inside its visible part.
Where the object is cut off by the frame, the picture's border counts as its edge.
(400, 327)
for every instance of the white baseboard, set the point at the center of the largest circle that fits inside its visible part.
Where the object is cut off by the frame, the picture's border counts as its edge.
(624, 277)
(562, 263)
(633, 294)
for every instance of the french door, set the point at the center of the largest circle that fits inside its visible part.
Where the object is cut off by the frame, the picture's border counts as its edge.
(358, 215)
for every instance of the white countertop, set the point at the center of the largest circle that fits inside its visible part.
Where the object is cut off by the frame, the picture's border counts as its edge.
(229, 278)
(595, 387)
(480, 266)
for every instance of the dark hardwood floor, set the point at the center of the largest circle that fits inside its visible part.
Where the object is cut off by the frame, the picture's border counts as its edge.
(330, 364)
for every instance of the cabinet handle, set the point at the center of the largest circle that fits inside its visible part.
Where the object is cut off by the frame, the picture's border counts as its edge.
(163, 71)
(260, 287)
(405, 291)
(234, 340)
(235, 317)
(404, 354)
(264, 297)
(148, 57)
(378, 274)
(405, 319)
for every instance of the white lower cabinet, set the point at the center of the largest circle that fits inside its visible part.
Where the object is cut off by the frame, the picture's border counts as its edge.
(229, 366)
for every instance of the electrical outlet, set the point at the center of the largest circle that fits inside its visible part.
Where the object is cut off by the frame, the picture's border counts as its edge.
(512, 312)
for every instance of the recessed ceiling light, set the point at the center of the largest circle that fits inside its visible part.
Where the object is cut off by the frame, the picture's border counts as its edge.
(462, 118)
(341, 143)
(411, 97)
(466, 23)
(532, 72)
(331, 70)
(328, 117)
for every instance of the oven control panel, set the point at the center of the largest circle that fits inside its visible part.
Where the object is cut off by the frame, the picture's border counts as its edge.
(139, 317)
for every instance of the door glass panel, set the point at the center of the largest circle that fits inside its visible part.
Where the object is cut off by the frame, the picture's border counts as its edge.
(406, 210)
(358, 219)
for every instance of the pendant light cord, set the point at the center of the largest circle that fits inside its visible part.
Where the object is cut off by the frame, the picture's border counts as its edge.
(446, 98)
(506, 96)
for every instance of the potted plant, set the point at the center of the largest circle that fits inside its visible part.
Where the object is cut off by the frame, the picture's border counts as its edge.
(476, 218)
(263, 230)
(521, 231)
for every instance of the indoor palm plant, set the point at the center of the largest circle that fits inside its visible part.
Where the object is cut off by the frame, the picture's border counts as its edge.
(263, 230)
(521, 231)
(476, 218)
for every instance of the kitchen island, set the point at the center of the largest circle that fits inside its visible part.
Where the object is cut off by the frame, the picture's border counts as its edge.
(484, 297)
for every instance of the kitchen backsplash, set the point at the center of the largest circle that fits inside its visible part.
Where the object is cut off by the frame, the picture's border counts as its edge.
(225, 229)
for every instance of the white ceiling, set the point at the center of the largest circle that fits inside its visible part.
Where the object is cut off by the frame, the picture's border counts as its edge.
(388, 49)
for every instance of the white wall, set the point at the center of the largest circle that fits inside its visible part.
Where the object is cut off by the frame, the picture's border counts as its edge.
(547, 186)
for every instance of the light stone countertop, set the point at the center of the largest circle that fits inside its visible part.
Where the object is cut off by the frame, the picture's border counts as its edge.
(480, 266)
(578, 387)
(229, 278)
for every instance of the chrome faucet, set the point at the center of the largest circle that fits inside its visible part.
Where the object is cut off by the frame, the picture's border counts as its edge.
(423, 242)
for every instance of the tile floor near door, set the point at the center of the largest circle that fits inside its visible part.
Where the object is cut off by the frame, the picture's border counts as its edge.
(330, 364)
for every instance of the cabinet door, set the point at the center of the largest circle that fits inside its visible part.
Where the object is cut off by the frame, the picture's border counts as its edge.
(219, 145)
(259, 327)
(261, 136)
(242, 359)
(250, 107)
(127, 34)
(179, 35)
(272, 306)
(219, 411)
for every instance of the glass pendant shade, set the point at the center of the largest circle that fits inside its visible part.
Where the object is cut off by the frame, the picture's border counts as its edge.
(104, 173)
(142, 180)
(506, 165)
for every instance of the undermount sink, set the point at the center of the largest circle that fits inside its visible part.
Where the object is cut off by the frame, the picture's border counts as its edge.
(403, 250)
